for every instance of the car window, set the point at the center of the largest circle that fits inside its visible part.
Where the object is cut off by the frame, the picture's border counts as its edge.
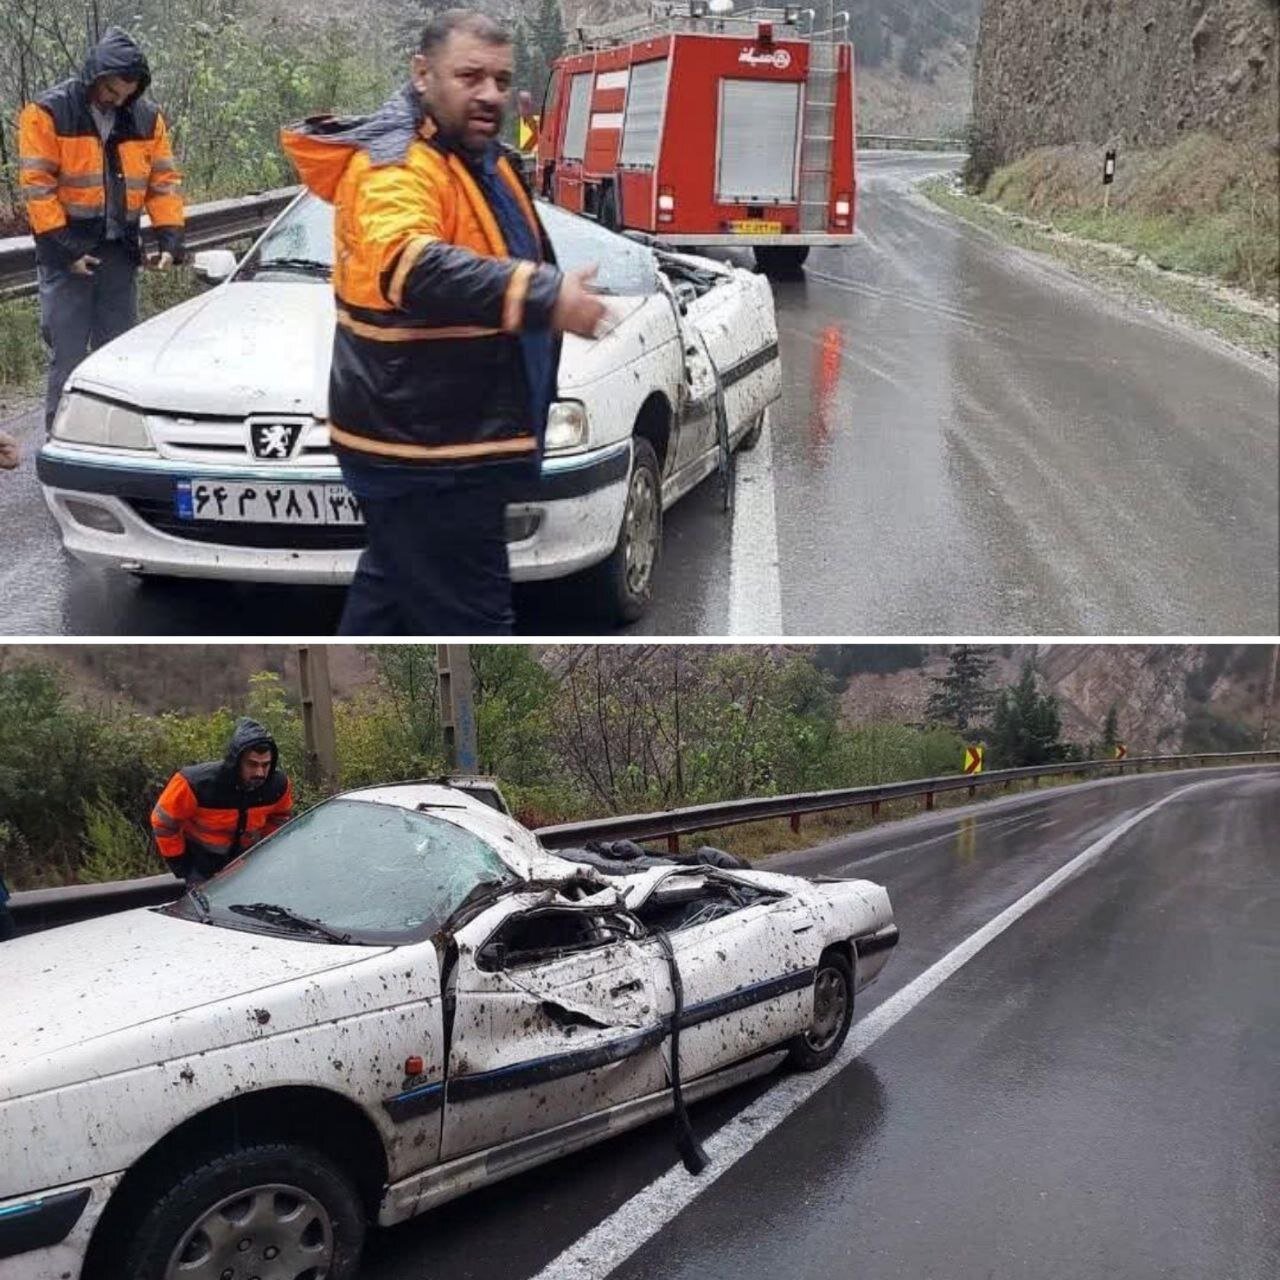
(375, 871)
(625, 267)
(299, 245)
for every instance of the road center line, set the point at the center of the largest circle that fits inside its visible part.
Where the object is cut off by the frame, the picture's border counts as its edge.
(755, 585)
(612, 1241)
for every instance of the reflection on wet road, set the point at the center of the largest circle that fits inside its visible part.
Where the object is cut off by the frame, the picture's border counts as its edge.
(969, 442)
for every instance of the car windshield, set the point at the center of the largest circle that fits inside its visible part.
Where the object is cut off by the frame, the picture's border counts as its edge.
(375, 872)
(300, 247)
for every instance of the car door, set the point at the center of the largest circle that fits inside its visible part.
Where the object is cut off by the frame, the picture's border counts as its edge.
(747, 970)
(730, 325)
(555, 1016)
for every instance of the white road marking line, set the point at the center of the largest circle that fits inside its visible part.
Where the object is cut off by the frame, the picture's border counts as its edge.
(755, 585)
(611, 1242)
(1018, 820)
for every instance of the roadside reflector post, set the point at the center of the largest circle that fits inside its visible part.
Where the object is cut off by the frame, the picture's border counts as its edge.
(795, 823)
(1108, 177)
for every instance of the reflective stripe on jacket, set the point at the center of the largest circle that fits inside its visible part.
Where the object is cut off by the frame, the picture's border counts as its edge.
(427, 365)
(62, 161)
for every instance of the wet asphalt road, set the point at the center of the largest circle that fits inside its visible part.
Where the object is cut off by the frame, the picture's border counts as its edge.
(969, 442)
(1095, 1093)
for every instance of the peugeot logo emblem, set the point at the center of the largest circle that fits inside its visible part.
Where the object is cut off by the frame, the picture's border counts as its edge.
(274, 440)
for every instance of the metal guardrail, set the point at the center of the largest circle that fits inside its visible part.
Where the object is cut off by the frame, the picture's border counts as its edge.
(38, 909)
(896, 142)
(208, 225)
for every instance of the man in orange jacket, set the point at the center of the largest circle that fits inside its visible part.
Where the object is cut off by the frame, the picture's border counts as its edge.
(209, 814)
(93, 154)
(449, 307)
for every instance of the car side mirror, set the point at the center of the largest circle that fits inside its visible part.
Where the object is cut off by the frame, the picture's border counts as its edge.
(213, 266)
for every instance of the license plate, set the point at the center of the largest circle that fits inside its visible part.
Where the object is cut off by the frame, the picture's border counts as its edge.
(756, 227)
(265, 502)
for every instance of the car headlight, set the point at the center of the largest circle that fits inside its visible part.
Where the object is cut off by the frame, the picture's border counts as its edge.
(567, 427)
(83, 419)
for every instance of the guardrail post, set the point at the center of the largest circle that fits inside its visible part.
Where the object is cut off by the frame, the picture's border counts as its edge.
(928, 800)
(673, 844)
(795, 823)
(875, 810)
(973, 791)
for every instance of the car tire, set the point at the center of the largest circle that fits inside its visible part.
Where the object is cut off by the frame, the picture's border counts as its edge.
(781, 261)
(832, 1014)
(275, 1196)
(623, 584)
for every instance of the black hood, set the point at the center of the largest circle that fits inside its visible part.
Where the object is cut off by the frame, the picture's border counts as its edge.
(117, 54)
(249, 734)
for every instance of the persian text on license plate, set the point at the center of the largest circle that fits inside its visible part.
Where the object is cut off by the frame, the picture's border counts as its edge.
(266, 502)
(755, 227)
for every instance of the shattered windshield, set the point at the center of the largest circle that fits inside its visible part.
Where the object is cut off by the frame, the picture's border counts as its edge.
(375, 872)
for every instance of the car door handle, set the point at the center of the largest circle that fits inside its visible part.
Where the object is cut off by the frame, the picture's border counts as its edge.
(624, 987)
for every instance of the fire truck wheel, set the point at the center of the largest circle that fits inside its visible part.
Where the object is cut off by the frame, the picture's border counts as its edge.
(609, 209)
(624, 582)
(780, 261)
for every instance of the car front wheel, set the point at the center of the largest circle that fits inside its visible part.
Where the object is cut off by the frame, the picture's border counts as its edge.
(277, 1209)
(832, 1014)
(624, 582)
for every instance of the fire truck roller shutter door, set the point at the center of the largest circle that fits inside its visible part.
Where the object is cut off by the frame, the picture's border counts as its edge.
(759, 132)
(642, 126)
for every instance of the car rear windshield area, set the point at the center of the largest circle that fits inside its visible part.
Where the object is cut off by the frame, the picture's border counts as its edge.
(374, 872)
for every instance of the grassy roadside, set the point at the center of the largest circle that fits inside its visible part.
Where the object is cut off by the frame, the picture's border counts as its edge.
(1199, 243)
(22, 355)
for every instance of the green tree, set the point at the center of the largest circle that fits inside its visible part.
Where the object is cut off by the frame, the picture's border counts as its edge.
(962, 697)
(1111, 729)
(1026, 727)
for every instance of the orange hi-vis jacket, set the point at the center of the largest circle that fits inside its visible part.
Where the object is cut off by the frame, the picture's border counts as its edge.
(66, 171)
(427, 363)
(205, 818)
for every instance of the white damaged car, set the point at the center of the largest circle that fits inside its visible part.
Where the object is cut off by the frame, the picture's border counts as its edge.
(398, 997)
(197, 444)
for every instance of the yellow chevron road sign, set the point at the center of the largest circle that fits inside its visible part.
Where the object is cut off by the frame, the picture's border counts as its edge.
(1121, 751)
(973, 758)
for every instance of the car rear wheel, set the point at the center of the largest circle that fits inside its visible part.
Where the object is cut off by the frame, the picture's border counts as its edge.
(623, 584)
(609, 209)
(781, 261)
(832, 1014)
(267, 1211)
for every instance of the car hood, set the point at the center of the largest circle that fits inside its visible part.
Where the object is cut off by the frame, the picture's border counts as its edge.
(67, 990)
(264, 346)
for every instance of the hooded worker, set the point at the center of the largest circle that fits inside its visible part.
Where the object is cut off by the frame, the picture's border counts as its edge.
(93, 155)
(445, 351)
(209, 814)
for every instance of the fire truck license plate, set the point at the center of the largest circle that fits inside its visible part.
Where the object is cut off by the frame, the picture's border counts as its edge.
(756, 227)
(264, 502)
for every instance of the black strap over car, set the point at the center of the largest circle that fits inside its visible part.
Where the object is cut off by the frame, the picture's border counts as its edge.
(691, 1152)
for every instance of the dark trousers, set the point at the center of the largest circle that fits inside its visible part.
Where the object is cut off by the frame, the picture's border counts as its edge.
(7, 928)
(436, 565)
(82, 313)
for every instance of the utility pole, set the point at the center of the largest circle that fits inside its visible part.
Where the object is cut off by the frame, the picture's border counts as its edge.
(317, 716)
(457, 707)
(1268, 705)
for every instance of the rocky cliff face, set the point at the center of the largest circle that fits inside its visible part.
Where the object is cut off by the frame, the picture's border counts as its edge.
(1114, 71)
(1167, 697)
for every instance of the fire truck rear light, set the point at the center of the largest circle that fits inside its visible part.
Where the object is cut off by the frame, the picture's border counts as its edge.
(842, 208)
(666, 203)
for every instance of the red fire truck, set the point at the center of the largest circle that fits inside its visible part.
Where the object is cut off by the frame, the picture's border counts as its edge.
(705, 127)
